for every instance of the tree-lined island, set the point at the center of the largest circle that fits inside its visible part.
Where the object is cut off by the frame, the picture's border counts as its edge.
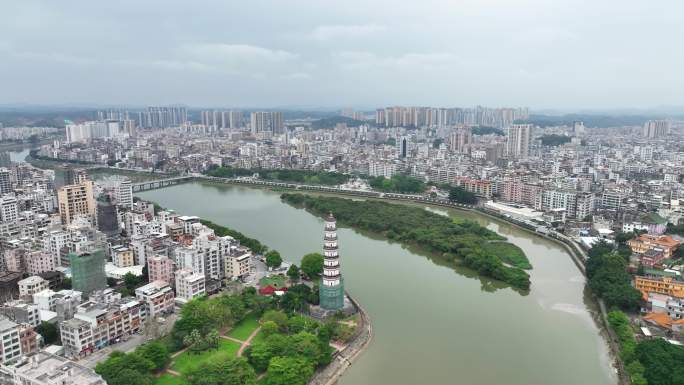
(455, 242)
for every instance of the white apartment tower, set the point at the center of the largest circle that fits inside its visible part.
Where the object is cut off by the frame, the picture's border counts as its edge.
(518, 138)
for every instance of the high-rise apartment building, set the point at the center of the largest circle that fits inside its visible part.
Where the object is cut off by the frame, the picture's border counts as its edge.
(518, 138)
(402, 147)
(9, 209)
(265, 121)
(76, 200)
(162, 117)
(5, 181)
(100, 129)
(656, 129)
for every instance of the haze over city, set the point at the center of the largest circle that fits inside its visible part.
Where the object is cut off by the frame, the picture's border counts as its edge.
(565, 55)
(299, 192)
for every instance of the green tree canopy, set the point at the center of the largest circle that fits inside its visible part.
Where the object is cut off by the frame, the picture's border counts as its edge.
(273, 259)
(289, 371)
(312, 265)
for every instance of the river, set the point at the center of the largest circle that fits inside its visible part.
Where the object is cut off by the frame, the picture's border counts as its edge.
(432, 324)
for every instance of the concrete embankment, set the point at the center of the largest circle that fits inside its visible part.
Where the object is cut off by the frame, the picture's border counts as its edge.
(344, 359)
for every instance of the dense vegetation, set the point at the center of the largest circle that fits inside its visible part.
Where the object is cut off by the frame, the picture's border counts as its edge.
(619, 322)
(135, 368)
(397, 184)
(484, 130)
(648, 362)
(222, 231)
(555, 140)
(459, 195)
(464, 242)
(286, 175)
(609, 279)
(675, 229)
(661, 361)
(332, 121)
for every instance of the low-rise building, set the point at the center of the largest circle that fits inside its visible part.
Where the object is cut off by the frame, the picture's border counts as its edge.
(46, 369)
(157, 296)
(645, 242)
(189, 285)
(662, 285)
(96, 325)
(238, 264)
(31, 285)
(160, 268)
(10, 344)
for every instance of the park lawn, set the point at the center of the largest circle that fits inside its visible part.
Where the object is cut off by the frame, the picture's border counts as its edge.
(168, 379)
(259, 337)
(508, 253)
(187, 361)
(245, 327)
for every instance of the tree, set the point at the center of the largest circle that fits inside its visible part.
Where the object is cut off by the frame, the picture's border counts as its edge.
(116, 366)
(49, 332)
(212, 339)
(293, 273)
(289, 371)
(312, 265)
(304, 344)
(195, 342)
(224, 371)
(458, 194)
(273, 259)
(262, 351)
(130, 377)
(156, 352)
(278, 317)
(269, 327)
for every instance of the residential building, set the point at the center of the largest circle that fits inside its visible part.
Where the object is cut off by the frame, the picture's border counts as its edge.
(160, 268)
(518, 137)
(664, 285)
(238, 264)
(645, 242)
(481, 188)
(76, 200)
(158, 298)
(46, 369)
(189, 285)
(10, 344)
(31, 285)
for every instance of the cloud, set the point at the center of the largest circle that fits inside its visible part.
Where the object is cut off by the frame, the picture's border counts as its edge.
(333, 32)
(297, 76)
(236, 53)
(363, 60)
(48, 57)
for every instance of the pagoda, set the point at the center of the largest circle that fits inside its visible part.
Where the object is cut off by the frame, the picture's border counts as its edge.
(332, 285)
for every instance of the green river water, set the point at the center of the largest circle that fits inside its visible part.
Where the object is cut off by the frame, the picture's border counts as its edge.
(432, 324)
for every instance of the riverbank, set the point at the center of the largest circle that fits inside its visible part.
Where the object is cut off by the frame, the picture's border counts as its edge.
(346, 357)
(412, 300)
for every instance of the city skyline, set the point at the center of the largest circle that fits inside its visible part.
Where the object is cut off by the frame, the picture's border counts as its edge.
(533, 53)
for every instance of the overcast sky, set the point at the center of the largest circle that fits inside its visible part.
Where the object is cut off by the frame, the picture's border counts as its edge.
(566, 54)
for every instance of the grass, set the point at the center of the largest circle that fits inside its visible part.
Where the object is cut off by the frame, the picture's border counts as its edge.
(508, 253)
(168, 379)
(187, 361)
(245, 327)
